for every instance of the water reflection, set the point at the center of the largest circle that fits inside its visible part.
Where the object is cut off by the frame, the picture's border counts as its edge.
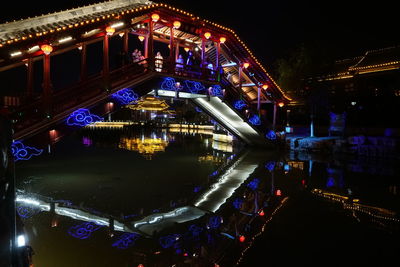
(191, 204)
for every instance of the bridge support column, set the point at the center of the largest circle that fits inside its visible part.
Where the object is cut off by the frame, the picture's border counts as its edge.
(47, 91)
(172, 56)
(83, 63)
(29, 85)
(106, 63)
(149, 53)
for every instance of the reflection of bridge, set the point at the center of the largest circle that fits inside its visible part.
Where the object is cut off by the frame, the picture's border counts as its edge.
(54, 64)
(209, 201)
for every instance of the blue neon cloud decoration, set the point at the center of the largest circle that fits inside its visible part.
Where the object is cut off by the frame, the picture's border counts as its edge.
(253, 185)
(82, 117)
(194, 87)
(255, 120)
(216, 90)
(270, 165)
(125, 96)
(239, 104)
(271, 135)
(23, 152)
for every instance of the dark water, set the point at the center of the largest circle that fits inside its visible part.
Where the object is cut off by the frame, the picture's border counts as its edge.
(125, 198)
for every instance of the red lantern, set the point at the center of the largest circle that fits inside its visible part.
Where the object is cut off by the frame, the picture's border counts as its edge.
(222, 40)
(265, 86)
(110, 30)
(242, 238)
(177, 24)
(261, 213)
(47, 49)
(207, 35)
(246, 65)
(281, 104)
(155, 17)
(278, 193)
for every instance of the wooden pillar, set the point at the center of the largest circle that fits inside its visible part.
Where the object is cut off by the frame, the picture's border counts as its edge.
(149, 53)
(126, 42)
(203, 50)
(274, 117)
(177, 50)
(106, 63)
(172, 57)
(217, 58)
(29, 85)
(47, 92)
(83, 62)
(258, 98)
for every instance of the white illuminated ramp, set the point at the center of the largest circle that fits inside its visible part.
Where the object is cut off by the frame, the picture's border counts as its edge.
(227, 117)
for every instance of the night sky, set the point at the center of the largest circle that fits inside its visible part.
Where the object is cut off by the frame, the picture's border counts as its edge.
(342, 28)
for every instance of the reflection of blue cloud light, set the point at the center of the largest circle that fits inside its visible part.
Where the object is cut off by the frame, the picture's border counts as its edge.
(255, 120)
(126, 96)
(22, 152)
(270, 165)
(330, 182)
(239, 104)
(253, 185)
(169, 240)
(271, 135)
(126, 240)
(27, 212)
(237, 203)
(195, 230)
(82, 117)
(84, 230)
(197, 189)
(214, 222)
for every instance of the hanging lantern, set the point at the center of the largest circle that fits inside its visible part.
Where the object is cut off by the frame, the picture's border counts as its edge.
(186, 49)
(110, 30)
(222, 40)
(281, 104)
(141, 38)
(47, 49)
(177, 24)
(155, 17)
(207, 35)
(265, 86)
(246, 65)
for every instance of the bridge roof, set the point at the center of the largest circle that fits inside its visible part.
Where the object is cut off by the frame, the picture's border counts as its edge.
(24, 34)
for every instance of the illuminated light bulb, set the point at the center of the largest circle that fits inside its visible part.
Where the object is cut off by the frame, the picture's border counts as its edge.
(207, 35)
(281, 104)
(141, 38)
(155, 17)
(242, 238)
(177, 24)
(246, 65)
(47, 49)
(110, 30)
(222, 40)
(265, 86)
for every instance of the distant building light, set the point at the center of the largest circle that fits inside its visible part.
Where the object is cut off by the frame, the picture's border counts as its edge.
(353, 103)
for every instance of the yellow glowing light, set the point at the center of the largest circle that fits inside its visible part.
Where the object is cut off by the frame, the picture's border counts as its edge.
(155, 17)
(141, 38)
(177, 24)
(207, 35)
(222, 40)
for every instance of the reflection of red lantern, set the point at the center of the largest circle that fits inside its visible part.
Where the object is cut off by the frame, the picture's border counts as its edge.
(242, 238)
(278, 192)
(261, 213)
(140, 265)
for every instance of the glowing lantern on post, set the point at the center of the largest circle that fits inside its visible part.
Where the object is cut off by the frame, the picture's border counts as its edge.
(141, 38)
(155, 17)
(246, 65)
(281, 104)
(207, 35)
(177, 24)
(222, 40)
(110, 30)
(47, 49)
(265, 86)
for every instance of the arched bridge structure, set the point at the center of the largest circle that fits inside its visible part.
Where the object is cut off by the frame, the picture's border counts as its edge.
(54, 65)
